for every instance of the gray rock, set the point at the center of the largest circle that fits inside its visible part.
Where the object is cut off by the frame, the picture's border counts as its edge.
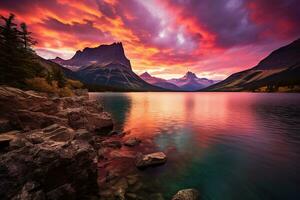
(153, 159)
(187, 194)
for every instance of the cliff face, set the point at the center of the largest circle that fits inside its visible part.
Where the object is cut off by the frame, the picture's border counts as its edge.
(101, 56)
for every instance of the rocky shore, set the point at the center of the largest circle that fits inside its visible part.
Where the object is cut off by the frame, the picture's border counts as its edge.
(47, 145)
(63, 148)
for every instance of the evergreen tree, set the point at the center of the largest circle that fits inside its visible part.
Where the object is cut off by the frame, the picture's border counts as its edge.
(9, 47)
(18, 61)
(59, 76)
(17, 58)
(27, 40)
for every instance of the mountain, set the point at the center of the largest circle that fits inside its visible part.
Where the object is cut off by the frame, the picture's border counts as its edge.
(101, 55)
(279, 71)
(159, 82)
(190, 82)
(105, 68)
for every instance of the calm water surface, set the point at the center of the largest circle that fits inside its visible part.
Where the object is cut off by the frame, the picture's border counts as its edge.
(227, 145)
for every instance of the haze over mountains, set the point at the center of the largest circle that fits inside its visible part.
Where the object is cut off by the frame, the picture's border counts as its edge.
(189, 82)
(280, 71)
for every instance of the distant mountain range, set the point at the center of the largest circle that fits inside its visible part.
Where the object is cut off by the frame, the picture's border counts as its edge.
(189, 82)
(159, 82)
(280, 71)
(104, 68)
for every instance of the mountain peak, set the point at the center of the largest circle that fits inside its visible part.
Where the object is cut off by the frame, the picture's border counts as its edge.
(101, 55)
(190, 75)
(145, 75)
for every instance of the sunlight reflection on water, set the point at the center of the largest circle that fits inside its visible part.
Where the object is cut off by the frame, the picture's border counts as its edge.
(227, 145)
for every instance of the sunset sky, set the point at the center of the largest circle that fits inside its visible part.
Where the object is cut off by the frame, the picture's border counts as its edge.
(213, 38)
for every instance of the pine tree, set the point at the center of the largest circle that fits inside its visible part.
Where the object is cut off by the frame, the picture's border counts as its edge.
(17, 58)
(18, 61)
(10, 44)
(27, 40)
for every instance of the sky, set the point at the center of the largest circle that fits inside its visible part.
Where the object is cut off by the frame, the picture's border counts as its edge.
(212, 38)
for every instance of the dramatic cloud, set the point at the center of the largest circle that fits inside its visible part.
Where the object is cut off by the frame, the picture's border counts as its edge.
(214, 38)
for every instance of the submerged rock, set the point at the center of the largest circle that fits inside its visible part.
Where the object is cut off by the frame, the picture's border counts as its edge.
(187, 194)
(153, 159)
(132, 142)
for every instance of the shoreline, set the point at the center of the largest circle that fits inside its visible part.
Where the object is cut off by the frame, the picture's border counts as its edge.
(64, 147)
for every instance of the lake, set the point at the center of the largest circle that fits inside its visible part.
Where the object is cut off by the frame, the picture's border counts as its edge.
(227, 145)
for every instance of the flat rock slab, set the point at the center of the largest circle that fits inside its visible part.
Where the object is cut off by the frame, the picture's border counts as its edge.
(187, 194)
(153, 159)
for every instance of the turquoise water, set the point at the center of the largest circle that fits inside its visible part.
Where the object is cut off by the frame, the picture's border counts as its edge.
(227, 145)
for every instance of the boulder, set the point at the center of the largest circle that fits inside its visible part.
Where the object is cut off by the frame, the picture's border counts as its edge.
(81, 118)
(153, 159)
(132, 142)
(187, 194)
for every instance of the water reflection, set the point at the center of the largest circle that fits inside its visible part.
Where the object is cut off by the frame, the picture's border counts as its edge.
(227, 145)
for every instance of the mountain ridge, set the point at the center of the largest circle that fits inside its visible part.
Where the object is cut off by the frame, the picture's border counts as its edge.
(189, 82)
(279, 71)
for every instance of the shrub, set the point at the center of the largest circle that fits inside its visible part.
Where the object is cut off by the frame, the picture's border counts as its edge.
(74, 84)
(65, 92)
(41, 85)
